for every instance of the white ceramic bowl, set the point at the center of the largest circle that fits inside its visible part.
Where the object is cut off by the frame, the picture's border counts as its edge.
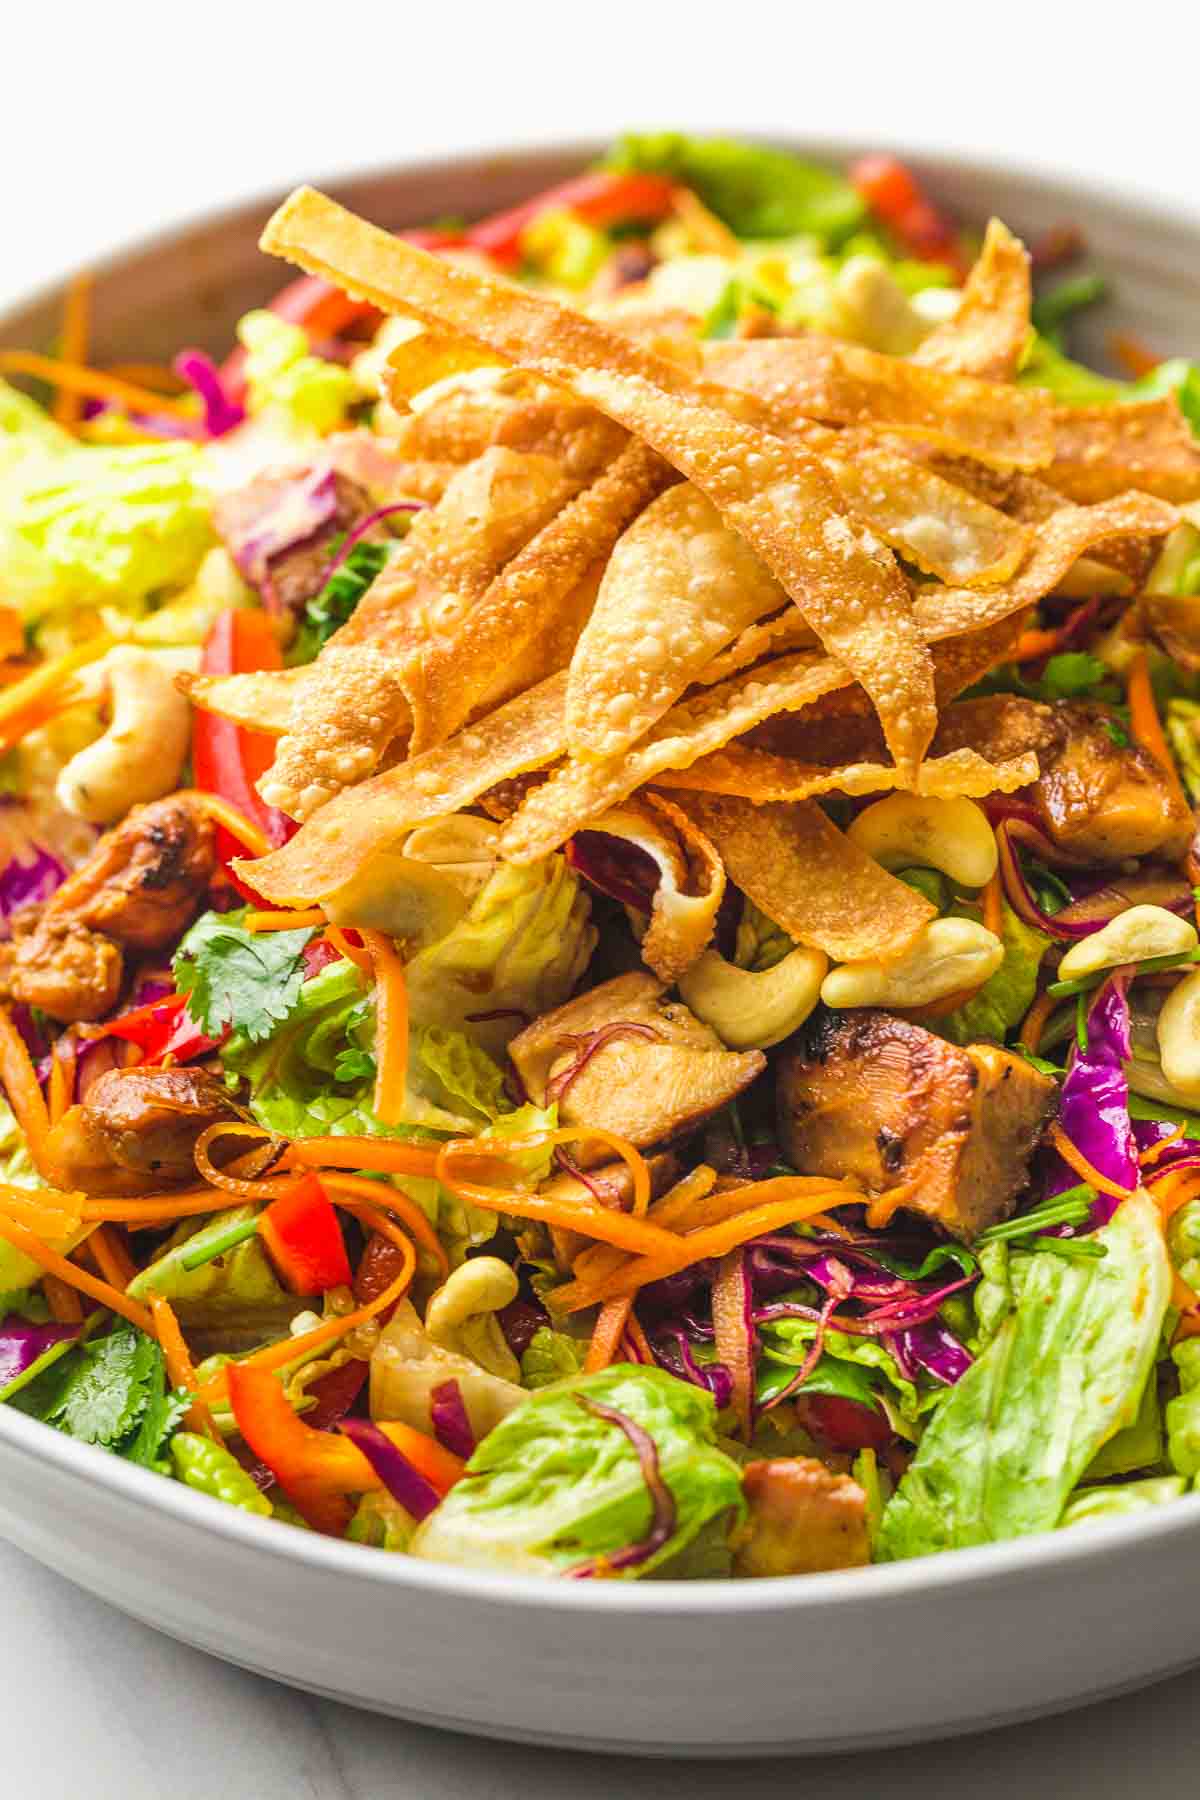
(827, 1662)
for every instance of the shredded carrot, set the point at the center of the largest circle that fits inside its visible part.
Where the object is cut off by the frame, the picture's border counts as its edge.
(284, 921)
(392, 1199)
(21, 1085)
(993, 905)
(352, 952)
(693, 1211)
(12, 633)
(1034, 1022)
(503, 1148)
(73, 343)
(26, 704)
(54, 1264)
(628, 1230)
(388, 1156)
(112, 1259)
(236, 823)
(278, 1355)
(45, 1210)
(161, 1209)
(1145, 725)
(1135, 357)
(1035, 643)
(66, 1308)
(732, 1336)
(636, 1336)
(1076, 1160)
(180, 1370)
(62, 1077)
(1172, 1188)
(1149, 1157)
(155, 376)
(391, 1027)
(94, 384)
(607, 1333)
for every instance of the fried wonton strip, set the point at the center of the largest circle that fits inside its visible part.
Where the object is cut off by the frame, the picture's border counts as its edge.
(845, 384)
(783, 631)
(580, 791)
(331, 848)
(427, 357)
(760, 775)
(1061, 540)
(451, 679)
(808, 877)
(988, 334)
(777, 495)
(341, 722)
(679, 585)
(261, 701)
(1099, 451)
(691, 881)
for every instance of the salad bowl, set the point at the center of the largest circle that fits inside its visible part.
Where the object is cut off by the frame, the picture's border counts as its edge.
(855, 1659)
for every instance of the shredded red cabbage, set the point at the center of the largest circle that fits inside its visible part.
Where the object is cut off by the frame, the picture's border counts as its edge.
(405, 1484)
(360, 531)
(662, 1500)
(673, 1351)
(221, 413)
(29, 882)
(448, 1415)
(258, 526)
(623, 871)
(1094, 1102)
(22, 1343)
(932, 1347)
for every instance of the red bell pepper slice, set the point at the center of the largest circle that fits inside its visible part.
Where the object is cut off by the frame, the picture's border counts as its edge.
(601, 197)
(317, 1469)
(846, 1424)
(226, 759)
(161, 1029)
(301, 1233)
(895, 196)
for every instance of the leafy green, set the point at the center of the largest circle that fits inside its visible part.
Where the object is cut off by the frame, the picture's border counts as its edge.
(758, 192)
(551, 1356)
(238, 1287)
(26, 427)
(1177, 570)
(1183, 1242)
(244, 980)
(110, 1391)
(1052, 309)
(931, 884)
(1064, 1371)
(94, 526)
(1071, 673)
(1136, 1446)
(212, 1469)
(1092, 1503)
(1176, 376)
(554, 1484)
(284, 376)
(1006, 997)
(26, 1302)
(850, 1367)
(1182, 1414)
(1182, 732)
(380, 1522)
(1045, 366)
(470, 1079)
(329, 610)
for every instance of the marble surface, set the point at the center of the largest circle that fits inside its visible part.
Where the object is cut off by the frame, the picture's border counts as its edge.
(123, 120)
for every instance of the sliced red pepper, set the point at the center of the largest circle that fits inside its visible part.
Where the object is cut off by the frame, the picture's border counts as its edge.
(161, 1029)
(304, 1240)
(317, 1469)
(896, 197)
(601, 197)
(226, 759)
(318, 953)
(846, 1424)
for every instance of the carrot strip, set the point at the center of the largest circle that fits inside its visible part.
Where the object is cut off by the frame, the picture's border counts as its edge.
(54, 1264)
(112, 1259)
(284, 921)
(161, 1209)
(352, 952)
(25, 704)
(993, 906)
(1034, 1022)
(21, 1086)
(391, 1028)
(608, 1225)
(180, 1370)
(1149, 1157)
(392, 1199)
(155, 376)
(1145, 725)
(637, 1337)
(1076, 1160)
(45, 1210)
(733, 1337)
(12, 633)
(94, 384)
(1135, 357)
(65, 1305)
(607, 1334)
(73, 344)
(389, 1156)
(693, 1212)
(62, 1077)
(502, 1149)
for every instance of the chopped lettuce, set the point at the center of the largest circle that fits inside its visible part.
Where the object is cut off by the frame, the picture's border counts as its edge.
(1006, 997)
(26, 427)
(551, 1356)
(1182, 1414)
(757, 191)
(554, 1485)
(237, 1288)
(381, 1522)
(1062, 1375)
(1089, 1504)
(1046, 366)
(212, 1469)
(89, 526)
(284, 376)
(850, 1367)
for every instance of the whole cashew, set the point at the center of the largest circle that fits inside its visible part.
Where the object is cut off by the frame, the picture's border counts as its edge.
(1132, 936)
(1179, 1038)
(904, 830)
(141, 755)
(950, 954)
(753, 1009)
(461, 1315)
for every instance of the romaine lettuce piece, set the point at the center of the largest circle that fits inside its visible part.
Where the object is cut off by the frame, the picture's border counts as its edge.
(283, 374)
(1092, 1503)
(551, 1356)
(26, 427)
(1183, 1413)
(757, 191)
(1063, 1374)
(557, 1484)
(236, 1288)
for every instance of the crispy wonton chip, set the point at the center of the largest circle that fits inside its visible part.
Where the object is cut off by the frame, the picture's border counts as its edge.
(678, 587)
(261, 701)
(760, 775)
(1099, 451)
(691, 881)
(428, 357)
(331, 849)
(769, 637)
(988, 334)
(846, 384)
(776, 494)
(807, 876)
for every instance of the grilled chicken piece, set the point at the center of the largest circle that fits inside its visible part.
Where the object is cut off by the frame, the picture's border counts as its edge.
(138, 890)
(648, 1069)
(1100, 800)
(802, 1520)
(884, 1104)
(292, 576)
(136, 1131)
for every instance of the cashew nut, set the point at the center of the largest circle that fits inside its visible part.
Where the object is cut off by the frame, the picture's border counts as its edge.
(461, 1315)
(141, 755)
(904, 830)
(749, 1009)
(949, 955)
(1132, 936)
(1179, 1037)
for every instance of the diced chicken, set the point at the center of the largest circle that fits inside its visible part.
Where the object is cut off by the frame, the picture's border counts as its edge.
(885, 1105)
(1099, 796)
(138, 890)
(802, 1520)
(137, 1130)
(625, 1059)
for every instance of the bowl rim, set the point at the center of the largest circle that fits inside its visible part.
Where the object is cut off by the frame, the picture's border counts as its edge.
(980, 1566)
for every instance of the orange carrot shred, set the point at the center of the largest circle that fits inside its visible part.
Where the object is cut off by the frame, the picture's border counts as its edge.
(607, 1334)
(1145, 725)
(391, 1031)
(66, 1308)
(352, 952)
(180, 1370)
(1076, 1160)
(92, 383)
(21, 1085)
(112, 1259)
(732, 1336)
(993, 905)
(236, 823)
(1034, 1022)
(54, 1264)
(1149, 1157)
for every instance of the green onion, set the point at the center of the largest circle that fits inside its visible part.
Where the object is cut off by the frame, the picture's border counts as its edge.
(1068, 297)
(1074, 1247)
(1069, 1208)
(213, 1247)
(1084, 984)
(1081, 1022)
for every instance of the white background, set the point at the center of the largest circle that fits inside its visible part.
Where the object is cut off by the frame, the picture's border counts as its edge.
(117, 120)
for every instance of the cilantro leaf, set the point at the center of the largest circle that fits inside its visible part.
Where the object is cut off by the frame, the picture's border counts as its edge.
(353, 1065)
(329, 609)
(164, 1412)
(244, 980)
(103, 1389)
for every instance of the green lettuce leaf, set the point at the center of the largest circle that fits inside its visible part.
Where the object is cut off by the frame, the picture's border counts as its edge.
(1063, 1374)
(1183, 1413)
(26, 427)
(551, 1356)
(758, 192)
(284, 376)
(553, 1484)
(1002, 1001)
(850, 1367)
(238, 1288)
(1121, 1499)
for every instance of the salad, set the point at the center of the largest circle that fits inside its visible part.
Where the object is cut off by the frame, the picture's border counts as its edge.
(599, 963)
